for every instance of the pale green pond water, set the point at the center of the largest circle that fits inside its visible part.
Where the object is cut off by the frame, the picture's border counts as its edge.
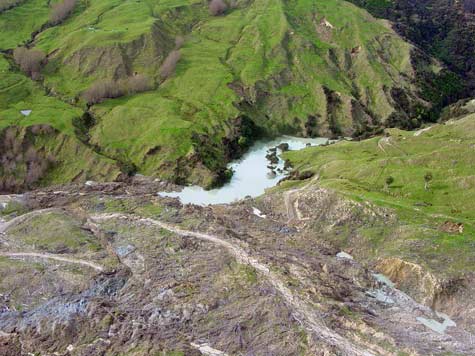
(251, 175)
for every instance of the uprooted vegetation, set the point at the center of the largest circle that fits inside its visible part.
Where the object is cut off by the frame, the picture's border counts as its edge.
(143, 274)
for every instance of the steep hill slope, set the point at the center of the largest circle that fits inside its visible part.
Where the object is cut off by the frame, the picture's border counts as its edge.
(425, 181)
(443, 28)
(262, 67)
(40, 145)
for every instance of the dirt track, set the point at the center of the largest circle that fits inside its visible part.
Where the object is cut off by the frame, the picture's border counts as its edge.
(52, 257)
(301, 310)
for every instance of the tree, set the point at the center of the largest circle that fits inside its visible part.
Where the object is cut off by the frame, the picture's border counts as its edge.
(169, 64)
(136, 84)
(102, 89)
(217, 7)
(29, 60)
(61, 11)
(389, 181)
(108, 89)
(427, 179)
(179, 41)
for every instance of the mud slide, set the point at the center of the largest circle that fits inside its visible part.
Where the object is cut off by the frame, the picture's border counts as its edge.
(302, 312)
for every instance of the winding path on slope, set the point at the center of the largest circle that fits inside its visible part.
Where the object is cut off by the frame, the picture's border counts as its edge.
(381, 142)
(49, 256)
(291, 200)
(4, 226)
(387, 141)
(302, 311)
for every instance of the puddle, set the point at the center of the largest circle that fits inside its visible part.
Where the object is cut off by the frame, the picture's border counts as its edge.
(383, 279)
(435, 325)
(381, 296)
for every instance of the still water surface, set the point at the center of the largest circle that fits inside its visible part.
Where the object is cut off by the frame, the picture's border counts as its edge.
(251, 176)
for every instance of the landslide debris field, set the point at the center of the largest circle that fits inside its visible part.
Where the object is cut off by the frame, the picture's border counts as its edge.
(146, 275)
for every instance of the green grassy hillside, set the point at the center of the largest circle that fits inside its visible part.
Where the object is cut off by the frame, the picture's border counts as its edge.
(427, 214)
(42, 148)
(18, 92)
(18, 23)
(300, 66)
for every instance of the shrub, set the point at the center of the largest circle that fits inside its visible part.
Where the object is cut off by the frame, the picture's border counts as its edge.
(7, 4)
(22, 165)
(243, 141)
(102, 89)
(179, 40)
(9, 137)
(41, 129)
(36, 169)
(427, 179)
(136, 84)
(61, 11)
(217, 7)
(31, 154)
(29, 60)
(109, 89)
(169, 64)
(389, 181)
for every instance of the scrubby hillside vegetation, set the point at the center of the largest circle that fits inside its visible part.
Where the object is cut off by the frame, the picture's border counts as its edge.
(177, 88)
(443, 28)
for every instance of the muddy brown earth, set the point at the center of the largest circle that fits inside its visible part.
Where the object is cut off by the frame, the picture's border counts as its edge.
(113, 269)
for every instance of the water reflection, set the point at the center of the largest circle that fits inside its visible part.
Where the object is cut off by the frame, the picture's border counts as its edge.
(251, 174)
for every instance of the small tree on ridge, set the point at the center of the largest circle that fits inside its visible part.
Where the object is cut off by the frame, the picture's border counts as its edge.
(217, 7)
(389, 181)
(169, 64)
(61, 11)
(29, 60)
